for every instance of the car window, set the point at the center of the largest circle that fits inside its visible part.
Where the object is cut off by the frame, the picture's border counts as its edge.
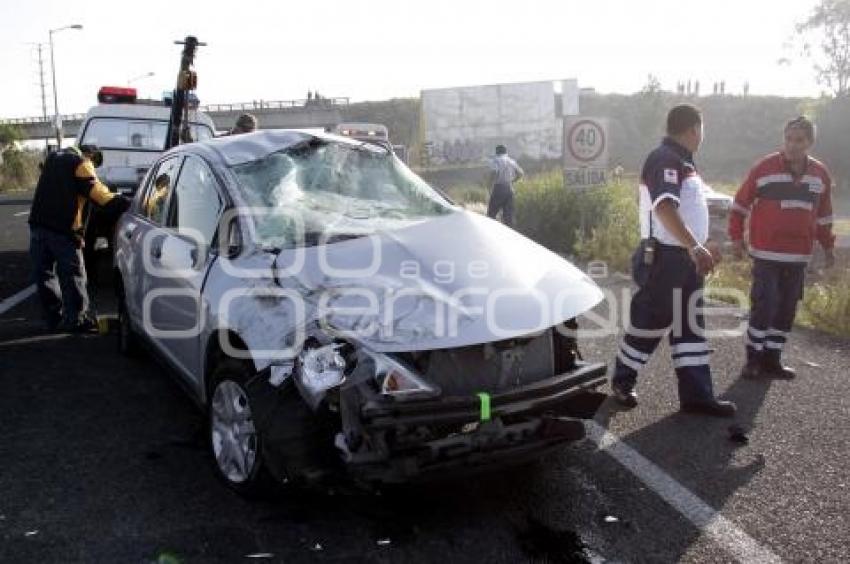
(153, 204)
(196, 204)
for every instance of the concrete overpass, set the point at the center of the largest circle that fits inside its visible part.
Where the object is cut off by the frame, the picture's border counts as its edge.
(280, 114)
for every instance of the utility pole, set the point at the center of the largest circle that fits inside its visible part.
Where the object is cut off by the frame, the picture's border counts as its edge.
(43, 91)
(56, 117)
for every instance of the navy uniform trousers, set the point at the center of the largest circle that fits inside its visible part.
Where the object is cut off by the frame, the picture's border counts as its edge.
(668, 302)
(777, 287)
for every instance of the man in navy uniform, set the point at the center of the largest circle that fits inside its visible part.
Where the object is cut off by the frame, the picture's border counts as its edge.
(669, 267)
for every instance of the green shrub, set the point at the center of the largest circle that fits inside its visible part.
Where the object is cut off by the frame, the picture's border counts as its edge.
(19, 170)
(592, 224)
(615, 234)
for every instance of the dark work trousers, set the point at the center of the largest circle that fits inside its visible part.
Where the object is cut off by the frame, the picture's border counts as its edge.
(668, 301)
(502, 199)
(60, 276)
(777, 287)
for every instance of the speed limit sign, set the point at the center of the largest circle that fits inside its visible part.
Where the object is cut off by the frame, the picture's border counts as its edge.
(585, 150)
(586, 141)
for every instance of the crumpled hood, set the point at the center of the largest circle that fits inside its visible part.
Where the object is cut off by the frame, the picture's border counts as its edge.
(451, 281)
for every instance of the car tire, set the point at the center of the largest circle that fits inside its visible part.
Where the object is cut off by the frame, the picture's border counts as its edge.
(236, 446)
(128, 339)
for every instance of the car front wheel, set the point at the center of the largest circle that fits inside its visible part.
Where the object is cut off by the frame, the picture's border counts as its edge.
(235, 443)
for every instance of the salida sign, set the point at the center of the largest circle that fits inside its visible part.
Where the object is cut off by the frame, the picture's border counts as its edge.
(585, 151)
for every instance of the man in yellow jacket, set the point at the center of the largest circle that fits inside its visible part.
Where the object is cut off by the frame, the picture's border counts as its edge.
(68, 179)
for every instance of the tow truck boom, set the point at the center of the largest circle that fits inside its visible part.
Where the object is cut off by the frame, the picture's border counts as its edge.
(187, 80)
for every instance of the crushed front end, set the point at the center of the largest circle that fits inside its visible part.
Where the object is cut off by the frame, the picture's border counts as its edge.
(435, 414)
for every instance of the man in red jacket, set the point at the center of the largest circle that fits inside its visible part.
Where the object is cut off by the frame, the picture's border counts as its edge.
(787, 198)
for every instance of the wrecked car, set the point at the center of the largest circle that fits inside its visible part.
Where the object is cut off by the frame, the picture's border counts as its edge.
(333, 313)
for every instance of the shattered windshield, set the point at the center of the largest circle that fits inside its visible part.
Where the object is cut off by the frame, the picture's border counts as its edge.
(322, 189)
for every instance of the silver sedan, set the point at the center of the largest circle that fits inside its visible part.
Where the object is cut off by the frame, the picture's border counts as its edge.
(333, 313)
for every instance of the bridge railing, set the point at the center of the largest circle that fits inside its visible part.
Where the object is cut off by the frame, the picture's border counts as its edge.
(314, 103)
(40, 119)
(276, 105)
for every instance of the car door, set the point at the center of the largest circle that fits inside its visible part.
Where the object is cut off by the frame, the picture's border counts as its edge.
(182, 257)
(145, 220)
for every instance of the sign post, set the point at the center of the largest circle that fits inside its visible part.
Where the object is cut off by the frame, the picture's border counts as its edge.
(585, 156)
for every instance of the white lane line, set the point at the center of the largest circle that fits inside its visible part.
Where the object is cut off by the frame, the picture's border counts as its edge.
(14, 300)
(19, 214)
(710, 522)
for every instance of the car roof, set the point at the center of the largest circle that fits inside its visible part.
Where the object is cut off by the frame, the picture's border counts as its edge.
(231, 150)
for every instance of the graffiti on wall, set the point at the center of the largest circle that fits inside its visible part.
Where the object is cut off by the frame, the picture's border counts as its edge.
(462, 126)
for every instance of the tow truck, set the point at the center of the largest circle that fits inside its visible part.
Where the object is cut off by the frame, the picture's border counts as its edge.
(132, 133)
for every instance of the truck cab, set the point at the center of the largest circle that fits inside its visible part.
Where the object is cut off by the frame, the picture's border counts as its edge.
(131, 134)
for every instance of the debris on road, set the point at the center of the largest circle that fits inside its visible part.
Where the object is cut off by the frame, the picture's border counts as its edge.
(384, 542)
(31, 533)
(811, 364)
(611, 519)
(260, 555)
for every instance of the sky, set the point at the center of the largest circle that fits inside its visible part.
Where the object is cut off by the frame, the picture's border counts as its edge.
(378, 49)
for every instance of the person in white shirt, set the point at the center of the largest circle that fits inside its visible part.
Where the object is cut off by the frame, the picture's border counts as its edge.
(504, 171)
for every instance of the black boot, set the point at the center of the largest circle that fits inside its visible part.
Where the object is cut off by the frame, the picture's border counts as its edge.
(624, 395)
(771, 367)
(751, 370)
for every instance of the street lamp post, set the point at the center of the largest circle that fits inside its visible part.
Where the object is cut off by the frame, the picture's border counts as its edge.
(140, 77)
(56, 123)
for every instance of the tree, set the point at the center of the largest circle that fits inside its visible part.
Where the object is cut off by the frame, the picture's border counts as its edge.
(829, 24)
(9, 135)
(13, 169)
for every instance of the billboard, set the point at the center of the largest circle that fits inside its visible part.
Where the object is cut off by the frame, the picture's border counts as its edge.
(462, 126)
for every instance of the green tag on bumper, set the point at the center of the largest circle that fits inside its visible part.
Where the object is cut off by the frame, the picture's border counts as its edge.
(484, 397)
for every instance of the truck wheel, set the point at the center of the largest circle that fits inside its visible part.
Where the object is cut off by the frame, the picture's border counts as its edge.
(235, 443)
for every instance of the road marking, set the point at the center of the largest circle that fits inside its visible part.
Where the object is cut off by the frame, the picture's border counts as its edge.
(709, 521)
(14, 300)
(19, 214)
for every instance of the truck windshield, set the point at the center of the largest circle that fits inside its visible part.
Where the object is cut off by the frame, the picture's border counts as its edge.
(135, 135)
(321, 191)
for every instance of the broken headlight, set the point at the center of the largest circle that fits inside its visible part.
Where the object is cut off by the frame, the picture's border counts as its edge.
(397, 381)
(319, 370)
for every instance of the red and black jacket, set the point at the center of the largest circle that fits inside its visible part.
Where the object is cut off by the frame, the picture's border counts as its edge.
(786, 211)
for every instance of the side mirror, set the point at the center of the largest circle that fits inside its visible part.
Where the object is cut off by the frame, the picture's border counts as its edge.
(232, 242)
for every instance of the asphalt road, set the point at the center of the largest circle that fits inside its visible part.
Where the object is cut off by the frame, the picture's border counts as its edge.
(103, 461)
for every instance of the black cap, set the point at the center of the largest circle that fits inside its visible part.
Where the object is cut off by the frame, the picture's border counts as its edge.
(93, 153)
